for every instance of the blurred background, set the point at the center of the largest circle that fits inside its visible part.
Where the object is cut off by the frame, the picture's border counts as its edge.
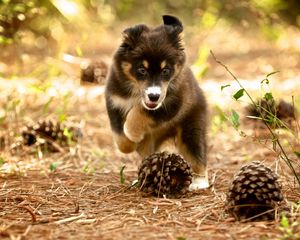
(47, 38)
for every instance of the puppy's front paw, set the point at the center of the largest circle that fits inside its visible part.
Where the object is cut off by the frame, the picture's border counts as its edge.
(134, 134)
(199, 183)
(124, 144)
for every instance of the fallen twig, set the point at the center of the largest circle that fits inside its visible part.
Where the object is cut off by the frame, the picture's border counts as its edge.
(70, 219)
(30, 210)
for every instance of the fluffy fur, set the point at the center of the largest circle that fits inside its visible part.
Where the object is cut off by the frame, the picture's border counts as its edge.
(152, 97)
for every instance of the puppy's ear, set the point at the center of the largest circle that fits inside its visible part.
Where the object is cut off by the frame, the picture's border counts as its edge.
(172, 24)
(133, 34)
(174, 28)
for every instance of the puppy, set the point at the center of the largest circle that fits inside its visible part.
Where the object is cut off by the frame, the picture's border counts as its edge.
(152, 97)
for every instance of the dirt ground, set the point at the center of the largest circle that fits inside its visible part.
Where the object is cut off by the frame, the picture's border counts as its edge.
(82, 197)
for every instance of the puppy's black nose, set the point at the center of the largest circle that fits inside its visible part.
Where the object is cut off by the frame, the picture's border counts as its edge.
(153, 97)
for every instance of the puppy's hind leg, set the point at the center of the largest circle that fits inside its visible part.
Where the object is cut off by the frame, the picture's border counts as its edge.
(192, 146)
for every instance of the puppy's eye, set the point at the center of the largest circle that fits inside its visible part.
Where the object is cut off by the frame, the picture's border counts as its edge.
(142, 71)
(166, 72)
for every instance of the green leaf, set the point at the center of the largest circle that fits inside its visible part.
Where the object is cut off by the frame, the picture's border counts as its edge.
(297, 153)
(2, 161)
(268, 96)
(284, 222)
(235, 119)
(68, 134)
(122, 177)
(181, 238)
(224, 86)
(62, 117)
(5, 41)
(239, 94)
(54, 165)
(20, 7)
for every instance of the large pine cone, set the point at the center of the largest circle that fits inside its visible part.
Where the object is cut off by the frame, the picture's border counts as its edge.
(254, 193)
(49, 133)
(164, 174)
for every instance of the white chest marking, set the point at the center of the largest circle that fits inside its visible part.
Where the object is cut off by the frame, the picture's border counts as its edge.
(123, 103)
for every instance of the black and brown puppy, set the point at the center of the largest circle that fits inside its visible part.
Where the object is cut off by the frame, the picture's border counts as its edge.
(152, 97)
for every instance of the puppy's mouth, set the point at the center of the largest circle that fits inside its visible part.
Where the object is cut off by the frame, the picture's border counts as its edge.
(151, 105)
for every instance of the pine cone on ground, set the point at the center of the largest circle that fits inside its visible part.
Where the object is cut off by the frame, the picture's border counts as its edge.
(285, 110)
(94, 72)
(47, 132)
(254, 193)
(269, 109)
(164, 174)
(265, 109)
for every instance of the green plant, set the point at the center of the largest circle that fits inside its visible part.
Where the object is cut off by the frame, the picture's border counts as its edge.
(218, 121)
(61, 111)
(122, 176)
(277, 142)
(200, 66)
(2, 161)
(288, 230)
(54, 166)
(69, 135)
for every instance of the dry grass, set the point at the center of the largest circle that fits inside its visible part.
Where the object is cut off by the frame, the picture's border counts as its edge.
(72, 205)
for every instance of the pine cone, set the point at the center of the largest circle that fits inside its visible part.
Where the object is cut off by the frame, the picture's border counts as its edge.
(265, 110)
(285, 110)
(47, 131)
(164, 174)
(254, 193)
(269, 109)
(94, 72)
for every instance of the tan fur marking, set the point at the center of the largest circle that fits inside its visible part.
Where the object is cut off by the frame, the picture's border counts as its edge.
(124, 144)
(124, 103)
(177, 69)
(146, 64)
(126, 66)
(181, 37)
(163, 64)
